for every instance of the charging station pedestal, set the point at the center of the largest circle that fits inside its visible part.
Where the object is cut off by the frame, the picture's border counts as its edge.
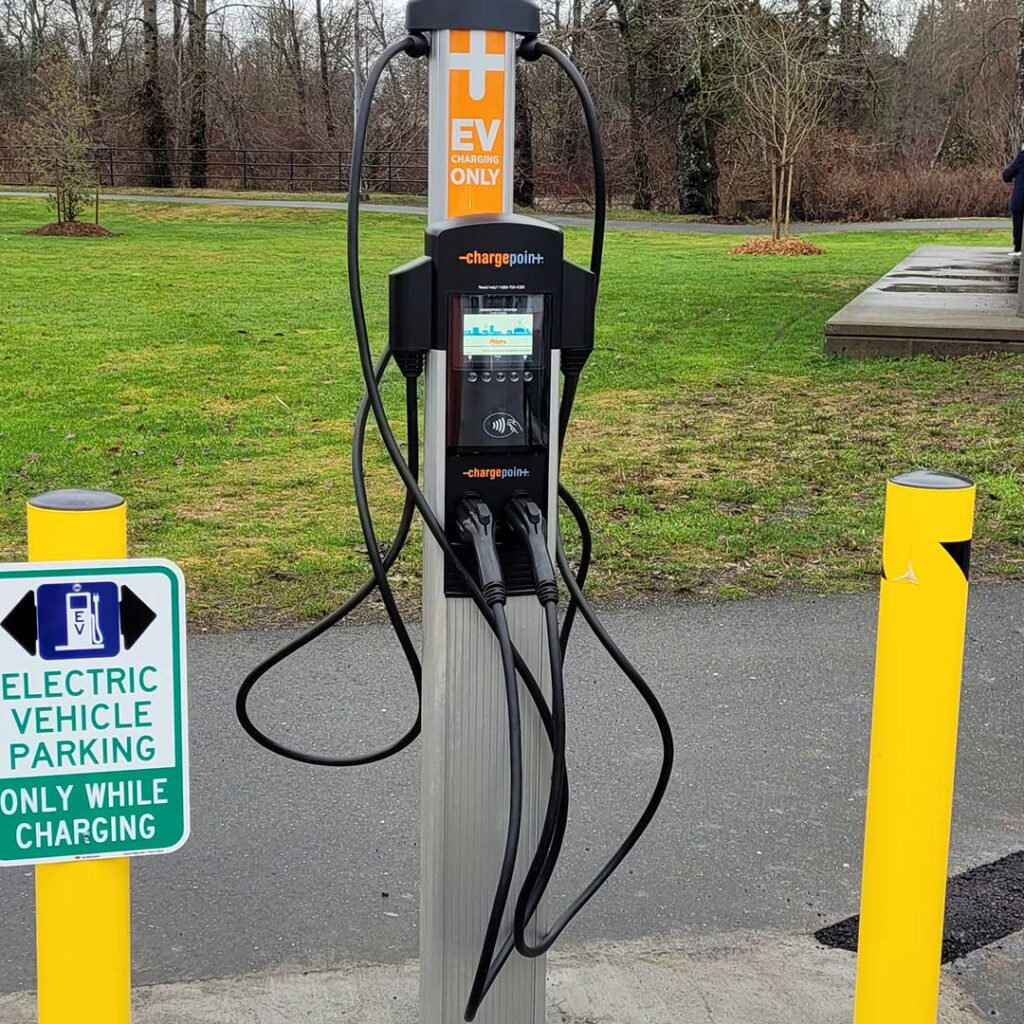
(495, 318)
(465, 735)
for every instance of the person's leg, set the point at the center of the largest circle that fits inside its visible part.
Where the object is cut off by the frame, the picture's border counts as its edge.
(1018, 229)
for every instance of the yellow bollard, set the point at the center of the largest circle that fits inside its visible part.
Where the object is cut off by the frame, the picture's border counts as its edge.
(83, 911)
(921, 621)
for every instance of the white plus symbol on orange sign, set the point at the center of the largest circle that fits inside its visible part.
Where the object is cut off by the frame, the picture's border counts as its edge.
(477, 62)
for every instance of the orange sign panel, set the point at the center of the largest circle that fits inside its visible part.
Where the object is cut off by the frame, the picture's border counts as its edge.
(476, 123)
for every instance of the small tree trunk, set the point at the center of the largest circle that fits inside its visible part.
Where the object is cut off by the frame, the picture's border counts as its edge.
(789, 198)
(643, 198)
(325, 77)
(295, 58)
(197, 54)
(775, 202)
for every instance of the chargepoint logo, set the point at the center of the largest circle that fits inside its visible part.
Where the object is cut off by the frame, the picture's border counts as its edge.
(497, 473)
(502, 259)
(501, 425)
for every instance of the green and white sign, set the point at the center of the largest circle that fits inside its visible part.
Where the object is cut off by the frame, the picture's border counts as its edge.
(93, 711)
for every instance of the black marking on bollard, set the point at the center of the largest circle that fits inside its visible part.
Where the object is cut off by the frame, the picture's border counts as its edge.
(960, 552)
(983, 905)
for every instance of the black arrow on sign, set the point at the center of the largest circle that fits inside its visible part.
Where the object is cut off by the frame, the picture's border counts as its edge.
(21, 623)
(136, 617)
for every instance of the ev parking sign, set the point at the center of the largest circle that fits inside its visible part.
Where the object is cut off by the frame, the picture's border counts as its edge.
(93, 711)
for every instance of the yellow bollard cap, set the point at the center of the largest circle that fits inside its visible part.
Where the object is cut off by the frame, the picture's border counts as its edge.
(929, 480)
(74, 499)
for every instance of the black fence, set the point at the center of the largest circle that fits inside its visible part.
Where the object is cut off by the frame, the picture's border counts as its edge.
(402, 172)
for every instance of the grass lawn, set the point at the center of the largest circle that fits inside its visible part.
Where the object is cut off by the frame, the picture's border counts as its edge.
(391, 198)
(201, 363)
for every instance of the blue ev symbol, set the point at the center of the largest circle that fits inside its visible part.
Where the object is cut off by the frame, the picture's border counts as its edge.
(78, 620)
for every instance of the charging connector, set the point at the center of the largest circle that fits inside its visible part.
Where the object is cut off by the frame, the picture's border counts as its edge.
(527, 521)
(476, 526)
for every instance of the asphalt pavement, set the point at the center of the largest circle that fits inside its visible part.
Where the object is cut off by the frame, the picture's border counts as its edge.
(675, 227)
(300, 869)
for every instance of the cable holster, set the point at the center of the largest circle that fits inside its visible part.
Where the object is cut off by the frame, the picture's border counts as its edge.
(579, 298)
(411, 298)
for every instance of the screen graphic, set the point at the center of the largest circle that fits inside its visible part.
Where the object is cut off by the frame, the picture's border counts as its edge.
(497, 333)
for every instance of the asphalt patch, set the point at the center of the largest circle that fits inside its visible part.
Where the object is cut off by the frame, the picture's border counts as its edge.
(983, 905)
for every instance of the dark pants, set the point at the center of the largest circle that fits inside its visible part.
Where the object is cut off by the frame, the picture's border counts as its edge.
(1018, 228)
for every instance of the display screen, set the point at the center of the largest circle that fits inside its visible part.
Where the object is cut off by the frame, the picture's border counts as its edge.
(497, 332)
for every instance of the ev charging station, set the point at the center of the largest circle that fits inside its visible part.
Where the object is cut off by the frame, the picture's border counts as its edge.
(498, 326)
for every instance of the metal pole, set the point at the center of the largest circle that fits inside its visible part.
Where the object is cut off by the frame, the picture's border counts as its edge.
(465, 753)
(83, 909)
(921, 622)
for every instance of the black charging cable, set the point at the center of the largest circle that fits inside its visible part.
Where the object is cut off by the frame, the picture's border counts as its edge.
(528, 524)
(527, 521)
(531, 49)
(552, 835)
(496, 622)
(380, 569)
(476, 527)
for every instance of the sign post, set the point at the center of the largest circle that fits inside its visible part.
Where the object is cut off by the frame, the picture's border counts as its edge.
(93, 741)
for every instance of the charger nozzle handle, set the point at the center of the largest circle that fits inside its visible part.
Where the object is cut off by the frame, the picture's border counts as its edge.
(527, 522)
(475, 523)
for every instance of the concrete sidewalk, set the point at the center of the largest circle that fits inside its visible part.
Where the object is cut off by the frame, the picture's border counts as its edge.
(738, 979)
(663, 226)
(293, 870)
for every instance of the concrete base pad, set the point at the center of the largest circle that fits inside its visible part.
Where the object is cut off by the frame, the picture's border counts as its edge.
(735, 979)
(942, 300)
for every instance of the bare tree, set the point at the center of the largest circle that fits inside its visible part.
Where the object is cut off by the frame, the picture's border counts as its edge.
(784, 81)
(923, 96)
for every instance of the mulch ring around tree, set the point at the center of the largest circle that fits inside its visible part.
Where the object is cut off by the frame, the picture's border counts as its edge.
(72, 229)
(777, 247)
